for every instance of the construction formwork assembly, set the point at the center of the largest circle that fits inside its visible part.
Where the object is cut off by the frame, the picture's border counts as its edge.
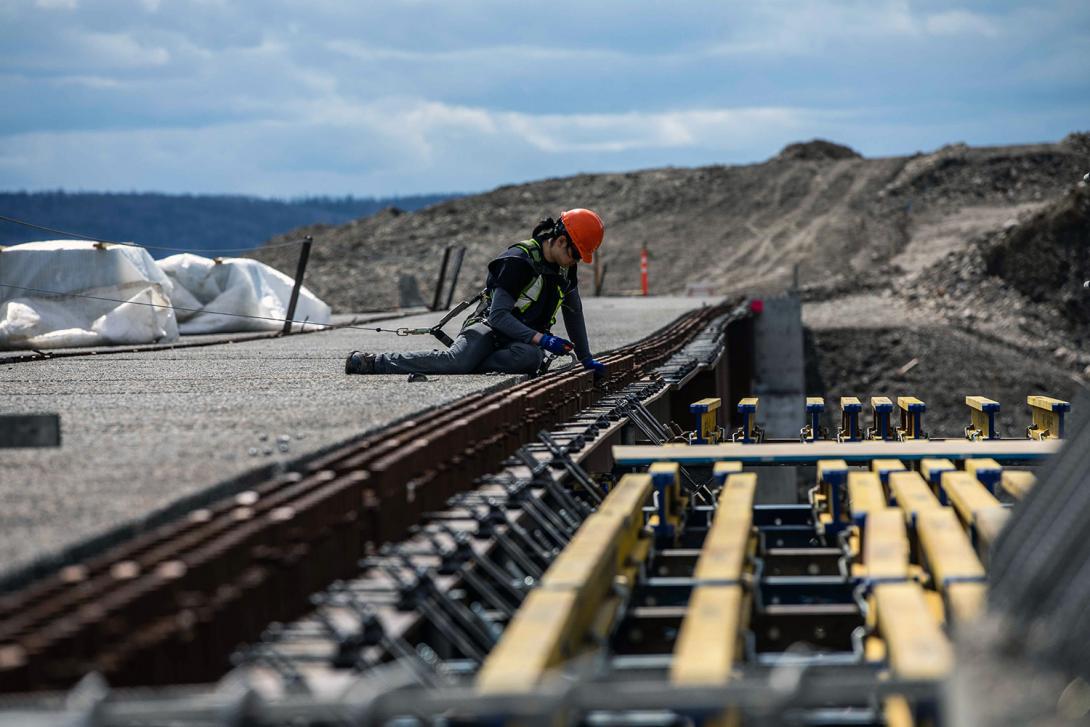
(589, 561)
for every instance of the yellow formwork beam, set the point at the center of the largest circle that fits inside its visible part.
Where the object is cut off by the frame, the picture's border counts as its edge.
(726, 546)
(667, 469)
(911, 493)
(707, 643)
(965, 602)
(982, 411)
(832, 477)
(536, 640)
(552, 622)
(850, 428)
(951, 561)
(885, 545)
(666, 479)
(586, 567)
(915, 644)
(865, 494)
(707, 419)
(1017, 484)
(626, 500)
(1048, 417)
(722, 470)
(967, 495)
(989, 522)
(897, 712)
(882, 468)
(881, 411)
(829, 468)
(987, 470)
(950, 555)
(912, 410)
(932, 468)
(749, 432)
(815, 405)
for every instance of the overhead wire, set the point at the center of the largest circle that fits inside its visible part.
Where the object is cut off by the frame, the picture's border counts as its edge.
(104, 241)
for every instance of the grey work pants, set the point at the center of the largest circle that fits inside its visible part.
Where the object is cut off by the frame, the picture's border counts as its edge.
(476, 350)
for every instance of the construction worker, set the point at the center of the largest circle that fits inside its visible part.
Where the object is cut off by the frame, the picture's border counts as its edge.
(509, 332)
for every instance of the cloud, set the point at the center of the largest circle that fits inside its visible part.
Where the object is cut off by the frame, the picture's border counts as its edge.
(358, 148)
(196, 95)
(613, 133)
(496, 54)
(811, 26)
(960, 22)
(117, 50)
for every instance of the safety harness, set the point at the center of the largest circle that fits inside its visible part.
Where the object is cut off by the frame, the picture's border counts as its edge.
(530, 294)
(527, 299)
(437, 329)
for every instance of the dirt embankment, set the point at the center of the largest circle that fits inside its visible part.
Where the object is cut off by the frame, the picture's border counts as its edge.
(845, 221)
(939, 364)
(1024, 285)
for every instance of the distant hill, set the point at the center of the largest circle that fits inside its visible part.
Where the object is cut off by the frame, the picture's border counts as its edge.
(207, 224)
(843, 220)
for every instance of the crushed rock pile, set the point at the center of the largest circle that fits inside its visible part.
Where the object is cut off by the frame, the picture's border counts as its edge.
(1024, 285)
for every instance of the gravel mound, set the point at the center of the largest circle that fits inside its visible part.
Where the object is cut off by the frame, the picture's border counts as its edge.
(1024, 285)
(1047, 257)
(818, 150)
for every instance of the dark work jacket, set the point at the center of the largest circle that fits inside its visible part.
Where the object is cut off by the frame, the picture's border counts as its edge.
(539, 290)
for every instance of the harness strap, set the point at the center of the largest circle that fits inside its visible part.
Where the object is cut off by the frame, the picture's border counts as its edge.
(437, 329)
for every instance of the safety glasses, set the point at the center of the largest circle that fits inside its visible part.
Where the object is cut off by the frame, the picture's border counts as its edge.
(574, 251)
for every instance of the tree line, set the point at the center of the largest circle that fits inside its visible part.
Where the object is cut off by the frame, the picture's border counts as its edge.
(205, 224)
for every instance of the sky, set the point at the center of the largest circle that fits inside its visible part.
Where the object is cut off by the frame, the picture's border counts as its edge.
(285, 99)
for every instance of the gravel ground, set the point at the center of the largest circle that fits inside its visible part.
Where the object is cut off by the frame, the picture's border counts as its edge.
(16, 355)
(141, 430)
(863, 311)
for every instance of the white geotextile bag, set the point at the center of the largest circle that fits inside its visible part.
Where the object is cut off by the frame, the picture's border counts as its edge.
(236, 286)
(68, 293)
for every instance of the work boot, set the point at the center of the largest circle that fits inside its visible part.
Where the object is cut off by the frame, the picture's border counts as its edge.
(359, 363)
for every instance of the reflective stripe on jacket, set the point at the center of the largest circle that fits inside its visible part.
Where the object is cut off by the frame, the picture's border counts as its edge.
(538, 303)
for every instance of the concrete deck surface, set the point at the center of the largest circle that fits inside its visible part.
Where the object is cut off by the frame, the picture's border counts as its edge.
(142, 430)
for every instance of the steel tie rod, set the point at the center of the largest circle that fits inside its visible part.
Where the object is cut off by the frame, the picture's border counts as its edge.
(502, 578)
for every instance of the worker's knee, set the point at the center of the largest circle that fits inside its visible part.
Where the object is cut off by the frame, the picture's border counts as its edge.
(462, 365)
(525, 359)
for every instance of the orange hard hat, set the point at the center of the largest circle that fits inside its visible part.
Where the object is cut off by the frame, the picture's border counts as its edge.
(585, 229)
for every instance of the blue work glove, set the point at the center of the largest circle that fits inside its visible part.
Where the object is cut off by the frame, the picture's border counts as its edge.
(599, 368)
(555, 345)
